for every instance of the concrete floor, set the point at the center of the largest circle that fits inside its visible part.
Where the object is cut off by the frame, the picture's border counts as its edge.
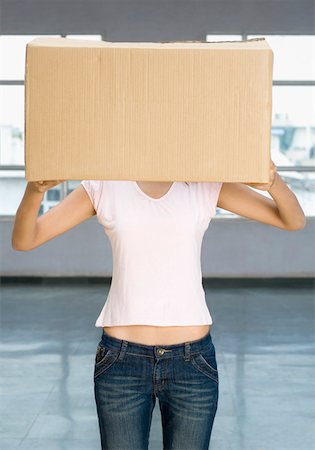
(264, 339)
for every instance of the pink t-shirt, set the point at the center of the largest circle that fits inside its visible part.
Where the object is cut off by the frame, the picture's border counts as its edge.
(156, 246)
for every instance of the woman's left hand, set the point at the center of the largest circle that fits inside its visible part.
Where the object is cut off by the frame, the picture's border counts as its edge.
(272, 178)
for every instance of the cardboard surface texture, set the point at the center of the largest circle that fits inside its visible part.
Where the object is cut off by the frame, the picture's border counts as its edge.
(151, 111)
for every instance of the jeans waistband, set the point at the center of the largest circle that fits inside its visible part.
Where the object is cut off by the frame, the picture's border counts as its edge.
(181, 349)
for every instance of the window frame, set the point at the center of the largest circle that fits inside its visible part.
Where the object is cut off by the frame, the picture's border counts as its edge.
(64, 186)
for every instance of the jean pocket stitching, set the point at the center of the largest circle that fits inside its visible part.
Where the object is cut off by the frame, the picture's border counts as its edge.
(206, 362)
(101, 351)
(204, 367)
(106, 362)
(108, 357)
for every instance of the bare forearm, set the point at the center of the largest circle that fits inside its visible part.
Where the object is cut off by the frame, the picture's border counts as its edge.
(288, 205)
(24, 228)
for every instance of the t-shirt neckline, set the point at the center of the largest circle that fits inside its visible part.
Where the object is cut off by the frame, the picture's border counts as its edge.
(151, 198)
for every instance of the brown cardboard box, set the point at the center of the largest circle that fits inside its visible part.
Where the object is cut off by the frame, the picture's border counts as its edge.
(162, 111)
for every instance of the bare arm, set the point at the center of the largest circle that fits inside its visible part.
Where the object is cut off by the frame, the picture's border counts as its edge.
(284, 211)
(31, 231)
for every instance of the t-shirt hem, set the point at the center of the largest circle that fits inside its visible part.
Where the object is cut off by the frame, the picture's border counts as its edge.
(155, 324)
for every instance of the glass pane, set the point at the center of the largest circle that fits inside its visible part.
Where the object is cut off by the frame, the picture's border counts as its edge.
(294, 56)
(12, 188)
(223, 37)
(12, 55)
(53, 194)
(71, 185)
(301, 184)
(13, 183)
(52, 197)
(293, 125)
(12, 125)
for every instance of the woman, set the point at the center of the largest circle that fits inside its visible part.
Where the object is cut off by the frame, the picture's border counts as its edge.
(156, 328)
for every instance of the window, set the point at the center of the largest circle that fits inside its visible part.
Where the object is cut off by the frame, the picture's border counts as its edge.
(293, 113)
(293, 127)
(12, 174)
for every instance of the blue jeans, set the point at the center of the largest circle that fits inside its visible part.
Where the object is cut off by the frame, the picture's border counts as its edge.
(128, 377)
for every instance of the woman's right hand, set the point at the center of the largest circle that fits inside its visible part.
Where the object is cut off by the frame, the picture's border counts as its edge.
(42, 186)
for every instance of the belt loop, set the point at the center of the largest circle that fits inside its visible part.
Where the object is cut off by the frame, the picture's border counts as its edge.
(123, 349)
(187, 351)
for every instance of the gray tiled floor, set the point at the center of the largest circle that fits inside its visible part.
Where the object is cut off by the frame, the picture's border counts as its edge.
(264, 339)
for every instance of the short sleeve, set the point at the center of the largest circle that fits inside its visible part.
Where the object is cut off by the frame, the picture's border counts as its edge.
(94, 191)
(212, 191)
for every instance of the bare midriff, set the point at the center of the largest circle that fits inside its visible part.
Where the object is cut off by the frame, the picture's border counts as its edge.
(153, 335)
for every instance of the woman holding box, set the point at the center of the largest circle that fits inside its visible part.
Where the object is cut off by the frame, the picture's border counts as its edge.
(156, 327)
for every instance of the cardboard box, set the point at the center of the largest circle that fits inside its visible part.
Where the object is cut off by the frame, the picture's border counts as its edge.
(155, 111)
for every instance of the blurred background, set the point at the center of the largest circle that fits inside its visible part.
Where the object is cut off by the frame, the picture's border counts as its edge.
(259, 280)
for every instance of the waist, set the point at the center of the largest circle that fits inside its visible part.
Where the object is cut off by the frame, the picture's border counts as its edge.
(154, 335)
(195, 345)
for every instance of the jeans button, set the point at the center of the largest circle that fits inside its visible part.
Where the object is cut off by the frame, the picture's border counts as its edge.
(160, 351)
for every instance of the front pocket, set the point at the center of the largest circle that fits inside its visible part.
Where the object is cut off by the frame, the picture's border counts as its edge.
(101, 353)
(104, 358)
(206, 364)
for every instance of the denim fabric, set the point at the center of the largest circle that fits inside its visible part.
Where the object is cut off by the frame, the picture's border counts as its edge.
(128, 377)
